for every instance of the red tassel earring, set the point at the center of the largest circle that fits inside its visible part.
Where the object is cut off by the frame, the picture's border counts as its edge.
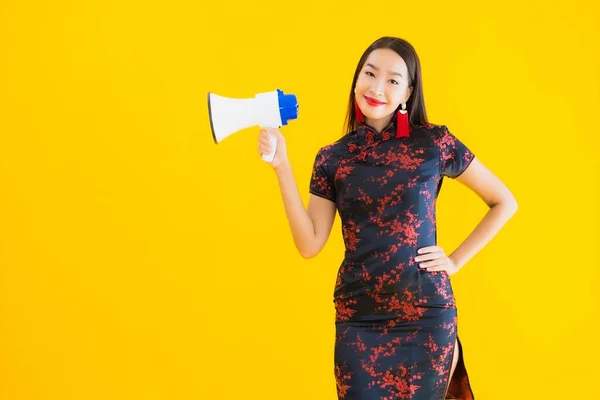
(359, 115)
(403, 128)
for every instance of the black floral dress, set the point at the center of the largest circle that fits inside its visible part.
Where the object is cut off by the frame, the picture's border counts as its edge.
(396, 325)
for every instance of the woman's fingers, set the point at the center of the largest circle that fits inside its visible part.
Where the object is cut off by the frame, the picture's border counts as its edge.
(264, 145)
(434, 269)
(430, 256)
(434, 263)
(435, 259)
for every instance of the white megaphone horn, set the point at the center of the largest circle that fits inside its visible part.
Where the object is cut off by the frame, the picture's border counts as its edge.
(267, 110)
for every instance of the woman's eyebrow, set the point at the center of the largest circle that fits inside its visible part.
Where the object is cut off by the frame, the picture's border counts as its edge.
(377, 69)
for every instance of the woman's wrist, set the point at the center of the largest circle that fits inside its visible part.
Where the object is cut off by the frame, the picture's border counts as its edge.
(283, 167)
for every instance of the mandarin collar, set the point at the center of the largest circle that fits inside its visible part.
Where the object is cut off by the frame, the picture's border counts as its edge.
(366, 134)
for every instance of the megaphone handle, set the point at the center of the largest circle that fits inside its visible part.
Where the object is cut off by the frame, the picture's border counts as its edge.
(273, 142)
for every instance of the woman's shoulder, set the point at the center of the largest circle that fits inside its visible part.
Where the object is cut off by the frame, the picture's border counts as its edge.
(432, 128)
(435, 132)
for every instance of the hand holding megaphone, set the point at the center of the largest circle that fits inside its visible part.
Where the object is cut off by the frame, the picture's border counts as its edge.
(272, 151)
(268, 110)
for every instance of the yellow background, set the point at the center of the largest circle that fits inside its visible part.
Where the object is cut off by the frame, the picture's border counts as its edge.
(139, 260)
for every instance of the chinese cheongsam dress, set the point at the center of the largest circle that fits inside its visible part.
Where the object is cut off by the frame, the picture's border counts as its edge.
(396, 324)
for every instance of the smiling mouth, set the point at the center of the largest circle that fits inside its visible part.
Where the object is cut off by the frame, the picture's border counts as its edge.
(373, 102)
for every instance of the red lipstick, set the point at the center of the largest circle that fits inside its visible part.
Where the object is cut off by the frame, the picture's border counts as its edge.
(373, 102)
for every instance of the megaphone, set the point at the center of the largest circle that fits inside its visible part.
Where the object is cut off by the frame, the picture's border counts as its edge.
(267, 110)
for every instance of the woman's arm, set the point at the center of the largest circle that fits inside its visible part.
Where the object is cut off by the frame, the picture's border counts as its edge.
(310, 227)
(502, 205)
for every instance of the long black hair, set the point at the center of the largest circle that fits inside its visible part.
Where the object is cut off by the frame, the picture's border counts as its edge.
(415, 103)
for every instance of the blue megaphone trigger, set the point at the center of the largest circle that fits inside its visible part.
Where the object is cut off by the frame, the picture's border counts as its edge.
(288, 106)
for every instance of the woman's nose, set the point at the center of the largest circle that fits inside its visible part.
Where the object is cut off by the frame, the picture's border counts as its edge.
(377, 89)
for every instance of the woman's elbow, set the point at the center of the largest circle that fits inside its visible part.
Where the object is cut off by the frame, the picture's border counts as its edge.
(307, 255)
(309, 252)
(510, 203)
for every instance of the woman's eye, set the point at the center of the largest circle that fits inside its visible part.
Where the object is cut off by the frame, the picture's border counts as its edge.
(369, 73)
(393, 81)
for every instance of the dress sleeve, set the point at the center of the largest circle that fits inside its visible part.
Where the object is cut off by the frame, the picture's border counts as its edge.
(455, 156)
(322, 181)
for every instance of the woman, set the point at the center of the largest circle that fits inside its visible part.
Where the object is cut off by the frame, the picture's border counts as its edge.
(396, 317)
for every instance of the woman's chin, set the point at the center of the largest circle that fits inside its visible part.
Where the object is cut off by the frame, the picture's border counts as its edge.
(376, 116)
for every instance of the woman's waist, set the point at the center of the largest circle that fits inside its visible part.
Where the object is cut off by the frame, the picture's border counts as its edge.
(390, 282)
(368, 236)
(381, 254)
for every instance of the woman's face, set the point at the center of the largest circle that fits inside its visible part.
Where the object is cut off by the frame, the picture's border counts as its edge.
(382, 84)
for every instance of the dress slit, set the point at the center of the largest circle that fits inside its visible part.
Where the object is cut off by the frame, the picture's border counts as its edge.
(460, 387)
